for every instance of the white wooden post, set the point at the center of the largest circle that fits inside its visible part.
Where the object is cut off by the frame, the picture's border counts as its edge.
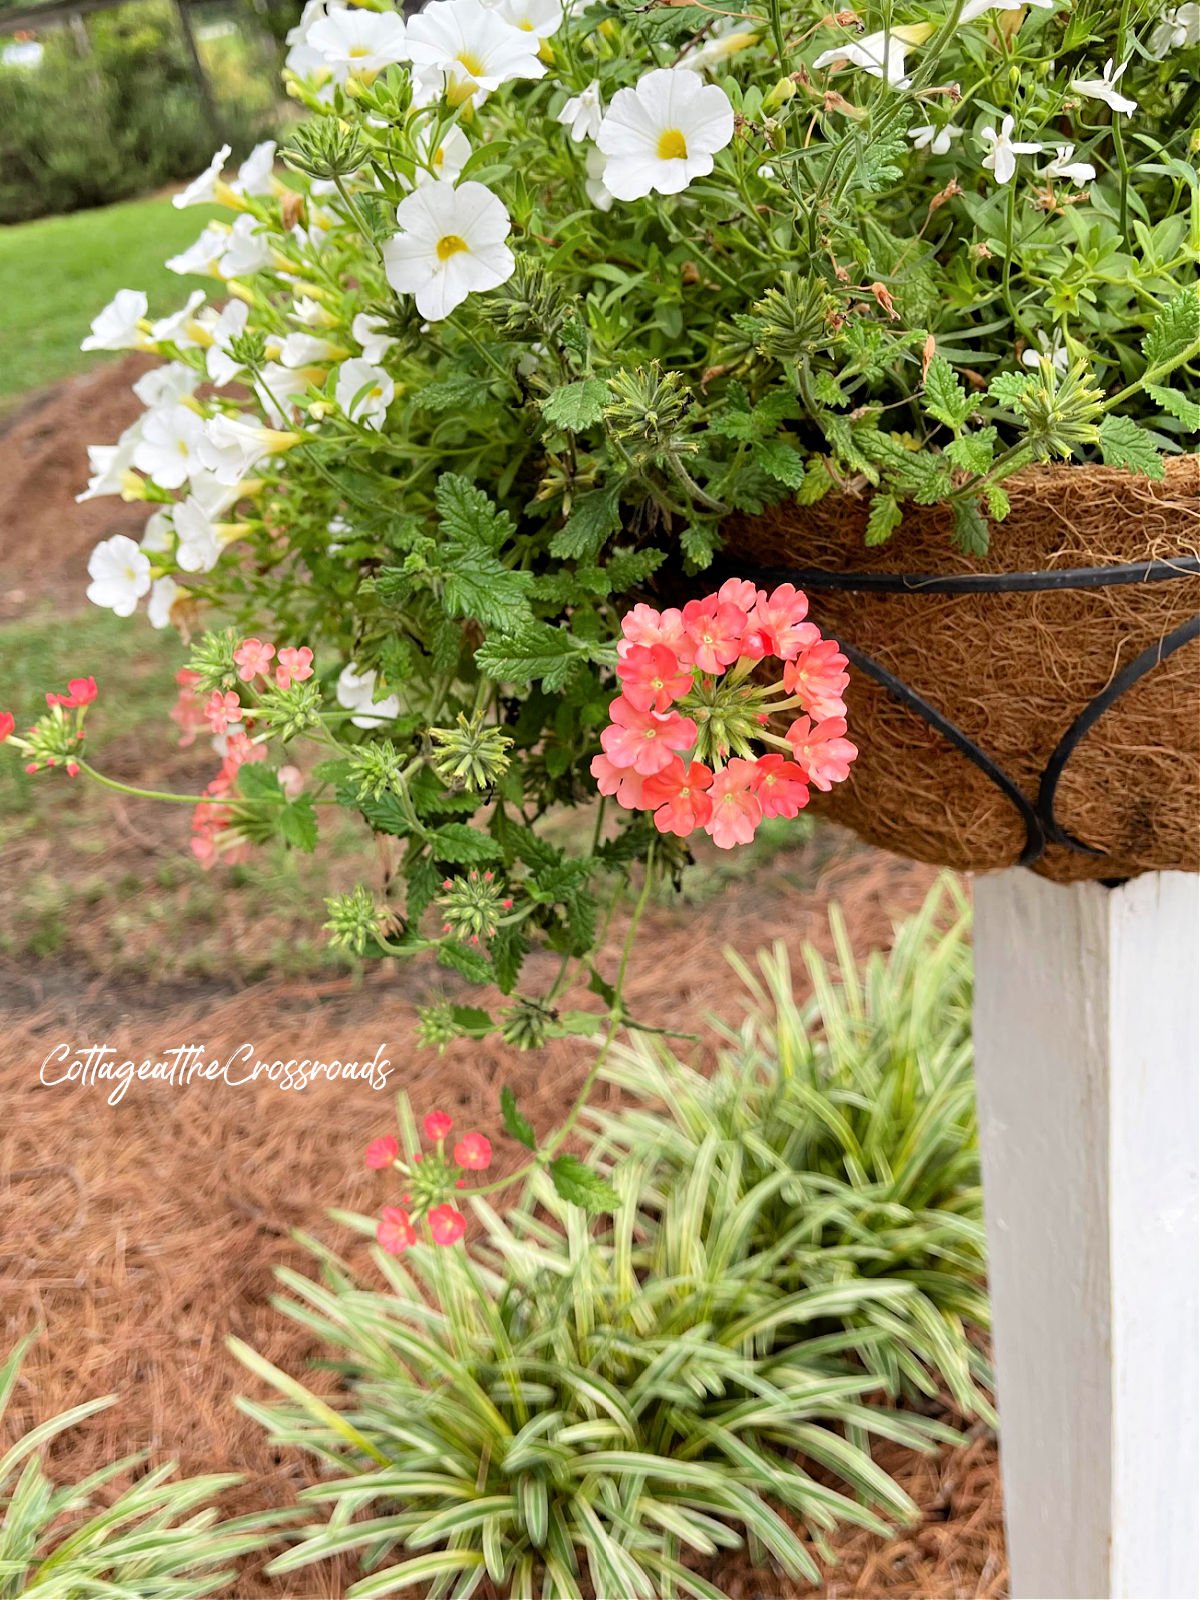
(1087, 1046)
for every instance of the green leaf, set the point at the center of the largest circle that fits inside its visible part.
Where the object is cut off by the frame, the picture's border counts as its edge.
(515, 1125)
(1124, 444)
(576, 405)
(883, 519)
(782, 460)
(478, 585)
(463, 958)
(699, 541)
(472, 1021)
(974, 452)
(462, 392)
(998, 503)
(509, 949)
(462, 845)
(298, 824)
(1174, 336)
(1177, 405)
(817, 482)
(970, 528)
(538, 652)
(945, 397)
(580, 1186)
(877, 163)
(1008, 387)
(467, 515)
(594, 518)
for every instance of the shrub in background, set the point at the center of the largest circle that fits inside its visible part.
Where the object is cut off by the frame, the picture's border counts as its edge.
(158, 1540)
(847, 1127)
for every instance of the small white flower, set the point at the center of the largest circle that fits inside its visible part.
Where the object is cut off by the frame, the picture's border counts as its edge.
(1178, 30)
(538, 17)
(211, 495)
(311, 313)
(662, 133)
(173, 329)
(583, 113)
(353, 41)
(1004, 150)
(1053, 349)
(1076, 172)
(303, 349)
(978, 8)
(594, 182)
(198, 546)
(120, 575)
(278, 386)
(222, 368)
(256, 173)
(116, 327)
(450, 244)
(880, 54)
(202, 191)
(169, 446)
(368, 332)
(163, 594)
(445, 160)
(1105, 88)
(461, 46)
(356, 692)
(364, 392)
(201, 258)
(934, 139)
(158, 536)
(725, 42)
(109, 463)
(166, 385)
(247, 248)
(231, 447)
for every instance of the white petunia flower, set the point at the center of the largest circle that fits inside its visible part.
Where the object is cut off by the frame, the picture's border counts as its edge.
(198, 546)
(445, 160)
(725, 42)
(594, 182)
(1004, 150)
(163, 594)
(109, 463)
(256, 173)
(173, 329)
(303, 349)
(461, 46)
(278, 386)
(934, 139)
(1178, 30)
(354, 42)
(450, 244)
(169, 446)
(166, 385)
(247, 248)
(1105, 88)
(202, 191)
(158, 536)
(368, 332)
(975, 9)
(583, 113)
(222, 368)
(201, 258)
(231, 447)
(1076, 172)
(1052, 349)
(212, 496)
(356, 692)
(120, 575)
(311, 313)
(662, 133)
(880, 54)
(364, 392)
(116, 327)
(538, 17)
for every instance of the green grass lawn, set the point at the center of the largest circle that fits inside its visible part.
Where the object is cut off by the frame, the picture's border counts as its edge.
(56, 273)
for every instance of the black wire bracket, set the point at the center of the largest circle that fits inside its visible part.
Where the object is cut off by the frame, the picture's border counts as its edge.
(1042, 827)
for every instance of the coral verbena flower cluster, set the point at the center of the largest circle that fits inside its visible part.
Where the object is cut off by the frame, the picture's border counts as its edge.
(56, 739)
(692, 732)
(431, 1178)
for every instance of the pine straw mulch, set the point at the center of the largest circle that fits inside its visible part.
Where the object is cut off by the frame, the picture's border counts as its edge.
(141, 1235)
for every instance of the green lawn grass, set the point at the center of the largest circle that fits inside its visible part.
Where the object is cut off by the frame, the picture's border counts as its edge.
(56, 273)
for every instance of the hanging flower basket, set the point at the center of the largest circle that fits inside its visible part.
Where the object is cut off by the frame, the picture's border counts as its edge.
(1040, 706)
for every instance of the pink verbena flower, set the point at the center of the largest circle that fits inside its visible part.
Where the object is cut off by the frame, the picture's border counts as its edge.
(474, 1151)
(819, 677)
(80, 692)
(8, 724)
(382, 1152)
(293, 665)
(651, 677)
(782, 786)
(714, 630)
(821, 750)
(737, 810)
(437, 1125)
(622, 782)
(778, 624)
(678, 796)
(739, 592)
(446, 1224)
(222, 709)
(395, 1231)
(648, 627)
(644, 740)
(253, 658)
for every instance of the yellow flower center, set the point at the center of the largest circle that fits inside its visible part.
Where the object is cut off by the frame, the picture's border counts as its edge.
(672, 146)
(469, 63)
(358, 51)
(450, 245)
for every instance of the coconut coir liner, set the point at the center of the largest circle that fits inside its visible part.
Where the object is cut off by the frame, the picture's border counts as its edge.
(1014, 670)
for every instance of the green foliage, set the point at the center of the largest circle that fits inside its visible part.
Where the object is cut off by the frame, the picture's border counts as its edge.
(157, 1538)
(834, 1146)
